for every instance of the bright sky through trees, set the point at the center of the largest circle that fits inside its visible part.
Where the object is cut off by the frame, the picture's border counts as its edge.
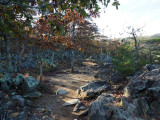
(136, 13)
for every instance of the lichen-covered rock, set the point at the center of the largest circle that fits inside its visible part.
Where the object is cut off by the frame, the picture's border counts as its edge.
(146, 68)
(19, 79)
(144, 90)
(120, 114)
(30, 84)
(154, 92)
(148, 81)
(5, 83)
(93, 89)
(135, 87)
(100, 109)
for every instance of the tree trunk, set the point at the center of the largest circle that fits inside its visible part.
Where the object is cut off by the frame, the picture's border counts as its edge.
(136, 48)
(150, 56)
(9, 66)
(72, 56)
(101, 52)
(2, 49)
(81, 53)
(52, 59)
(72, 62)
(41, 72)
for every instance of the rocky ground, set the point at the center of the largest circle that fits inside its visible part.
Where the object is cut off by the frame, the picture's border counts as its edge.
(93, 92)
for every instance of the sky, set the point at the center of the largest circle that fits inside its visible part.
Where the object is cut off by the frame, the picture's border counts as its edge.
(143, 14)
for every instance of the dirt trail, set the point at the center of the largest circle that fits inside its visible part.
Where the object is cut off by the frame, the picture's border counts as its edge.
(49, 106)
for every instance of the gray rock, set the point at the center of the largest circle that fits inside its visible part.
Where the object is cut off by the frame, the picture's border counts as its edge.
(22, 116)
(131, 108)
(124, 103)
(82, 108)
(19, 99)
(149, 67)
(94, 88)
(30, 84)
(142, 107)
(48, 118)
(120, 114)
(61, 91)
(145, 107)
(34, 94)
(100, 109)
(155, 108)
(49, 109)
(29, 102)
(5, 83)
(115, 78)
(135, 87)
(138, 110)
(78, 105)
(70, 102)
(19, 79)
(85, 112)
(154, 92)
(11, 104)
(146, 68)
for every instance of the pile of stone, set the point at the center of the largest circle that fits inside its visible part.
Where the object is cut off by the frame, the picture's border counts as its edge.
(13, 105)
(141, 99)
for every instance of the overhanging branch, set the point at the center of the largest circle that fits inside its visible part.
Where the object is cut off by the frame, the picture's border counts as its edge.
(8, 3)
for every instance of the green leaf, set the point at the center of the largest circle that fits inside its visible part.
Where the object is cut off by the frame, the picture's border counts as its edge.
(116, 4)
(59, 7)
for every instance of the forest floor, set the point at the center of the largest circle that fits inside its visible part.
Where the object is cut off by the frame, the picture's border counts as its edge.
(49, 105)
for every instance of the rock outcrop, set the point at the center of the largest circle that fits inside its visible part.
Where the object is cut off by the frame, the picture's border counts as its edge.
(144, 91)
(93, 89)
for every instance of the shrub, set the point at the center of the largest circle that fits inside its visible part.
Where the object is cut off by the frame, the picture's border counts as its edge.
(124, 60)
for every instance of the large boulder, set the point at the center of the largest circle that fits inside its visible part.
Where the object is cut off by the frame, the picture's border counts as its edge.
(93, 89)
(155, 107)
(135, 87)
(142, 108)
(146, 82)
(146, 68)
(149, 67)
(5, 83)
(100, 108)
(144, 90)
(30, 84)
(26, 84)
(104, 108)
(18, 79)
(154, 92)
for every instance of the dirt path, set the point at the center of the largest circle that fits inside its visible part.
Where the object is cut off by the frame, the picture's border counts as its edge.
(49, 106)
